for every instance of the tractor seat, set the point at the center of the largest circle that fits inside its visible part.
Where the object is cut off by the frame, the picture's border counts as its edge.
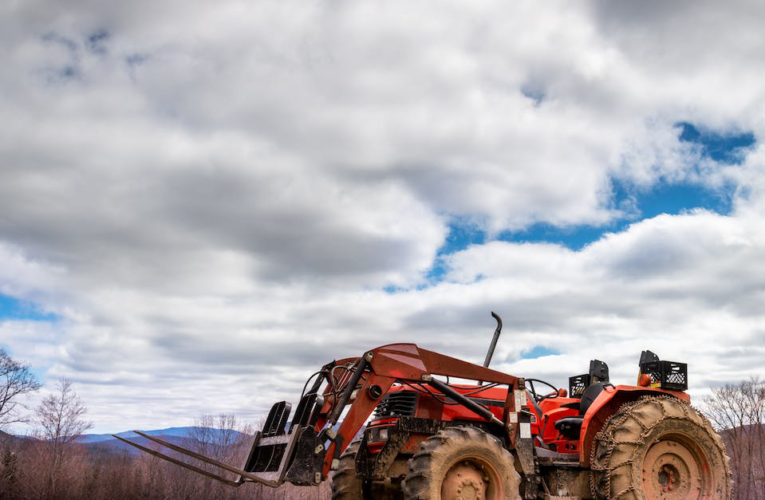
(571, 427)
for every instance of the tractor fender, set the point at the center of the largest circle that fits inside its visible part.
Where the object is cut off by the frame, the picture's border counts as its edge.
(606, 404)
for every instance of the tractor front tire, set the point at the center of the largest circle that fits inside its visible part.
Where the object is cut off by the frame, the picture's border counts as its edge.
(344, 483)
(659, 447)
(462, 463)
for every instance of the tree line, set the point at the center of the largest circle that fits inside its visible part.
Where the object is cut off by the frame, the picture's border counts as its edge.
(52, 464)
(738, 412)
(43, 469)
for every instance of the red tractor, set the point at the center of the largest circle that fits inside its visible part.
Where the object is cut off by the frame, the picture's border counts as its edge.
(497, 437)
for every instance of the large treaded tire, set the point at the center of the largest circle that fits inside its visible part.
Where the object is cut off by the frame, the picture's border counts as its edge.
(344, 483)
(659, 447)
(467, 452)
(346, 486)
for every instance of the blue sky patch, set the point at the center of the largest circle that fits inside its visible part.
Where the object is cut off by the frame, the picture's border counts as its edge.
(12, 308)
(663, 198)
(462, 234)
(725, 148)
(538, 352)
(639, 204)
(574, 237)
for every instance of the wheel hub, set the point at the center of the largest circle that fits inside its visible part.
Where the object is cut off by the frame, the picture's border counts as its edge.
(671, 471)
(464, 481)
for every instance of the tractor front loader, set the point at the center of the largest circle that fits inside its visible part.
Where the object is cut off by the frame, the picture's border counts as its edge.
(499, 437)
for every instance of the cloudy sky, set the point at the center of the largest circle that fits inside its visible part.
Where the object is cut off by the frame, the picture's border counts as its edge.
(201, 202)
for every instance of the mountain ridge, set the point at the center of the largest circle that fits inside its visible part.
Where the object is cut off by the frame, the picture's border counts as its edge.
(108, 443)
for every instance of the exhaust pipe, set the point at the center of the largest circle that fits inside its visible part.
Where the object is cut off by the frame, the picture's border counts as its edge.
(494, 340)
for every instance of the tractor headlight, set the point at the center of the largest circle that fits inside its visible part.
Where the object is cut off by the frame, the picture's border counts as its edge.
(383, 434)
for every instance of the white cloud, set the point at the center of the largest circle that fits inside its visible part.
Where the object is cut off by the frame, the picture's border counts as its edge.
(25, 278)
(211, 196)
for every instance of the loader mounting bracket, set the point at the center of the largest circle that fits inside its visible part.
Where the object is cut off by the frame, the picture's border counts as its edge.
(307, 462)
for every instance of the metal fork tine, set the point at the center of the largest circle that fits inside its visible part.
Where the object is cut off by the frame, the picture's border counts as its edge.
(210, 461)
(181, 463)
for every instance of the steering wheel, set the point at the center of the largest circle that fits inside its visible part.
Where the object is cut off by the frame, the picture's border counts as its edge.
(539, 397)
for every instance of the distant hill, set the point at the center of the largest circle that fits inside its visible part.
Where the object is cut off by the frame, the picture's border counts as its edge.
(107, 443)
(178, 432)
(9, 439)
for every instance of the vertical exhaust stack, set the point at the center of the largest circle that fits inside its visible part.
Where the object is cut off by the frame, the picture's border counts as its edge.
(493, 340)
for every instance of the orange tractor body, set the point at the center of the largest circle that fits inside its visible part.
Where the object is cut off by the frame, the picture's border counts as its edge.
(497, 437)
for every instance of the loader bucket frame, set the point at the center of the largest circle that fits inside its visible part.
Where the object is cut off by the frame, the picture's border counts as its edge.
(305, 451)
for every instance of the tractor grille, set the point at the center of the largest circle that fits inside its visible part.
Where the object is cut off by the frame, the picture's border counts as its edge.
(397, 404)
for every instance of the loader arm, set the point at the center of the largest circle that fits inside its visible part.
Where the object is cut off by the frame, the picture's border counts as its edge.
(410, 363)
(306, 451)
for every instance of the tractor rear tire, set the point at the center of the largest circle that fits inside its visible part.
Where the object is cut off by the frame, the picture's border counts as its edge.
(659, 447)
(462, 463)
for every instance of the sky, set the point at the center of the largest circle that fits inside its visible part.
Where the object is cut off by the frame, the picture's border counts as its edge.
(203, 202)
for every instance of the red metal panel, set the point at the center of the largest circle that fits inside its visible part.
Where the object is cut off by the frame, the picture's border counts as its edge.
(407, 361)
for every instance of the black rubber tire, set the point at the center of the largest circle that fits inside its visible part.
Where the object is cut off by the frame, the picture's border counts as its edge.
(659, 431)
(346, 486)
(344, 483)
(439, 453)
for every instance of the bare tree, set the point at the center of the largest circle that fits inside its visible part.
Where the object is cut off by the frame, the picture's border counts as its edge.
(9, 476)
(16, 381)
(60, 417)
(738, 411)
(222, 438)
